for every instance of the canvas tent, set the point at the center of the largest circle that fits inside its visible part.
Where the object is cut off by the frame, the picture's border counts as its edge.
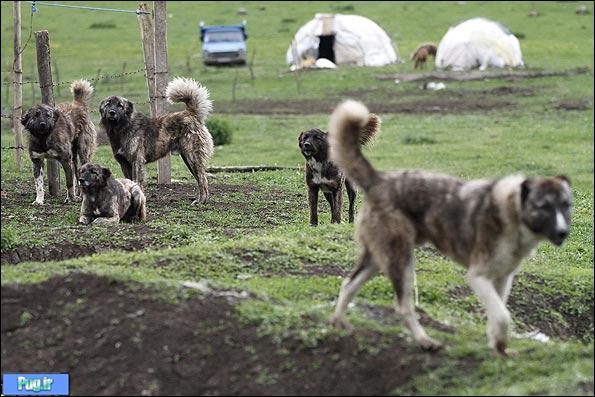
(342, 39)
(478, 42)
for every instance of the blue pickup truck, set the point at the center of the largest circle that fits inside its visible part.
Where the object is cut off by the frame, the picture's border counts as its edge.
(224, 44)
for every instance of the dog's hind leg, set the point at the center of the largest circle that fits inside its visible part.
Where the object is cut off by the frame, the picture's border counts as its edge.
(392, 249)
(363, 271)
(313, 201)
(140, 204)
(68, 165)
(351, 194)
(197, 166)
(38, 175)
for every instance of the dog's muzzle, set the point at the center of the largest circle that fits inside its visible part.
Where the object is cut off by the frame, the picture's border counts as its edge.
(84, 183)
(307, 149)
(112, 115)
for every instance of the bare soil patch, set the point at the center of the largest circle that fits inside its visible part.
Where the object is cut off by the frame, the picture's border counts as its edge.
(117, 338)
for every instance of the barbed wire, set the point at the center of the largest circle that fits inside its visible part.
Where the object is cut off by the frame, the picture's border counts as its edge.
(137, 12)
(12, 147)
(92, 79)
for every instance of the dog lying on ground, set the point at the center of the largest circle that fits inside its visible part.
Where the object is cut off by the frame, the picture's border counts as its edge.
(489, 226)
(108, 200)
(137, 139)
(322, 174)
(421, 54)
(64, 133)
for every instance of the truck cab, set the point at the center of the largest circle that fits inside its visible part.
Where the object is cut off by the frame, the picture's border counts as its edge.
(223, 44)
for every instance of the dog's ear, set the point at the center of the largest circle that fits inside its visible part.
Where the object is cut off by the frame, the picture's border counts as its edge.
(526, 189)
(25, 118)
(300, 139)
(129, 106)
(106, 173)
(563, 178)
(102, 106)
(56, 114)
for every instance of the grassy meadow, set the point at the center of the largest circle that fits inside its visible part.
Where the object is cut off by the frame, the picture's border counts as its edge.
(252, 238)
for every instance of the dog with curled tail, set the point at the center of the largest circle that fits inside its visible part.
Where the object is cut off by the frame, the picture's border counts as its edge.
(488, 225)
(137, 139)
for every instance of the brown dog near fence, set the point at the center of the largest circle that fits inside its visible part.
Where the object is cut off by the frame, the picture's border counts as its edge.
(489, 226)
(137, 139)
(64, 133)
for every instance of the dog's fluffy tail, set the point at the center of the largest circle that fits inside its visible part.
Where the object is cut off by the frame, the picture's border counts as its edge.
(194, 95)
(82, 91)
(351, 125)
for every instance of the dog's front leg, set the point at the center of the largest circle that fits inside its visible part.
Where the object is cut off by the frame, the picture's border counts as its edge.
(105, 220)
(38, 175)
(498, 315)
(313, 201)
(335, 200)
(138, 170)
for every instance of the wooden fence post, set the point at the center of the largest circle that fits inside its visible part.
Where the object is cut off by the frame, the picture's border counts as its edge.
(17, 109)
(44, 69)
(161, 78)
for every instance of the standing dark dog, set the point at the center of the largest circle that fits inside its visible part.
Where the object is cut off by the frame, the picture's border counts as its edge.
(64, 133)
(107, 200)
(322, 174)
(137, 139)
(489, 226)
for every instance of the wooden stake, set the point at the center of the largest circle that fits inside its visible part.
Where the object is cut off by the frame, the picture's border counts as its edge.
(161, 78)
(44, 68)
(17, 110)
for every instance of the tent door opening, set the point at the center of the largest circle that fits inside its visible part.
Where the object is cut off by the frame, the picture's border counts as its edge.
(326, 47)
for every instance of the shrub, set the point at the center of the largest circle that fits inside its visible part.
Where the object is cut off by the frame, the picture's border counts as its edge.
(220, 131)
(9, 238)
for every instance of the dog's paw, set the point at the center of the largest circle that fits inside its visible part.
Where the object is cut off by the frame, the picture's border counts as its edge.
(501, 350)
(429, 344)
(341, 323)
(199, 201)
(37, 202)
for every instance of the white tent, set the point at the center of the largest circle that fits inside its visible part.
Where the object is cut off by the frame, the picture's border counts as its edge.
(478, 42)
(344, 40)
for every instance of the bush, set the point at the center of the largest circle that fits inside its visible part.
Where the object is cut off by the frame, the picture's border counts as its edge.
(9, 238)
(220, 131)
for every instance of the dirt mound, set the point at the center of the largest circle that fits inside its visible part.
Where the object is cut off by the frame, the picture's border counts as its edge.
(57, 252)
(117, 338)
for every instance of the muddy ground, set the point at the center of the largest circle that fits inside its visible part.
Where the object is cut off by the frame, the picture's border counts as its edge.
(164, 204)
(122, 341)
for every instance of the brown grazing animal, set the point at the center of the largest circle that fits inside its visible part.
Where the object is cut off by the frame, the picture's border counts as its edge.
(107, 200)
(322, 174)
(137, 139)
(64, 133)
(489, 226)
(421, 54)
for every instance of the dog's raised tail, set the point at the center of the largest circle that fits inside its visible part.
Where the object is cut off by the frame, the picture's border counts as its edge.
(82, 91)
(352, 125)
(194, 95)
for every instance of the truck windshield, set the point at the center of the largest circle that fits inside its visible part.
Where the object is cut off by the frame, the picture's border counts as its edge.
(214, 37)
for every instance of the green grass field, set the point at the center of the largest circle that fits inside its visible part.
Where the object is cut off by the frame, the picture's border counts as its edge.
(253, 234)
